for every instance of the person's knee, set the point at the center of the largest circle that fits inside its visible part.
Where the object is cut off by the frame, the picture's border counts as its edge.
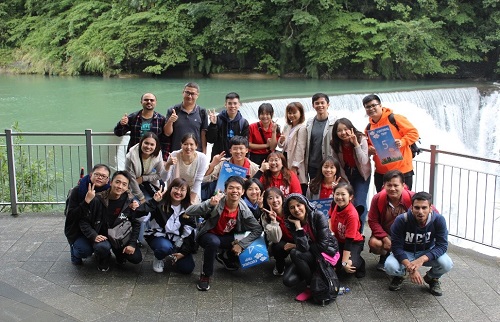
(392, 266)
(445, 262)
(209, 242)
(376, 245)
(102, 248)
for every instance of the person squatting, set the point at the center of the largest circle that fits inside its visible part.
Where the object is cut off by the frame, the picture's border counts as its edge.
(169, 194)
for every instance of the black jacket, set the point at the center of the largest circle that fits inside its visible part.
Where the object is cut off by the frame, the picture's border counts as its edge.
(161, 217)
(95, 216)
(219, 133)
(325, 241)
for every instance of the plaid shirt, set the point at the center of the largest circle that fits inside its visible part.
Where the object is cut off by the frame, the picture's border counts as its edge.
(134, 126)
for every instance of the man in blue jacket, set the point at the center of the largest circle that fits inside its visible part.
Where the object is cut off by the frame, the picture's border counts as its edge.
(419, 238)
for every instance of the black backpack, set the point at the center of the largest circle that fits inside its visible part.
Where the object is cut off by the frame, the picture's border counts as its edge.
(324, 283)
(415, 150)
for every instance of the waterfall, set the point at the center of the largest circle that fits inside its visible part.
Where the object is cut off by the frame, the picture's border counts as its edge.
(456, 119)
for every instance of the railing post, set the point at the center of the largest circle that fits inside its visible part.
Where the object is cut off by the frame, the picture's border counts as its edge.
(90, 152)
(12, 171)
(433, 171)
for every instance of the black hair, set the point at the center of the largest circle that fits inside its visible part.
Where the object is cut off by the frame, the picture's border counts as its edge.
(236, 179)
(369, 98)
(232, 95)
(266, 108)
(124, 173)
(193, 85)
(422, 195)
(142, 96)
(336, 142)
(317, 96)
(250, 182)
(190, 136)
(238, 140)
(277, 191)
(101, 165)
(389, 175)
(177, 182)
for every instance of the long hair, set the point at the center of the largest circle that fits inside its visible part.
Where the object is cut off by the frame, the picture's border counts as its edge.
(267, 176)
(167, 199)
(315, 184)
(336, 142)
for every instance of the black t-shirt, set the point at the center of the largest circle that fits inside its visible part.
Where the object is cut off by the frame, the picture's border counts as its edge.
(112, 212)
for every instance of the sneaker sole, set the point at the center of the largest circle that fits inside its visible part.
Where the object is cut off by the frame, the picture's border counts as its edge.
(202, 289)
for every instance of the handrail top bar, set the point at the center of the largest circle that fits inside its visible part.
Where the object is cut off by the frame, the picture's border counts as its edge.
(463, 155)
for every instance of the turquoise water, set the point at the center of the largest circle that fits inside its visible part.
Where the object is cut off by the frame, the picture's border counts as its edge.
(73, 104)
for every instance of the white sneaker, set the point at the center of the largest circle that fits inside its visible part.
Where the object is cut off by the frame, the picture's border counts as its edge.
(158, 265)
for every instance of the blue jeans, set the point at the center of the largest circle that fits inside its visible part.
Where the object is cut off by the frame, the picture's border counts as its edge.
(361, 187)
(211, 244)
(162, 247)
(439, 266)
(81, 248)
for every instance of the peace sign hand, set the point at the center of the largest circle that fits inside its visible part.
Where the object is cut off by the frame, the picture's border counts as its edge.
(212, 116)
(336, 181)
(352, 138)
(158, 196)
(260, 200)
(89, 196)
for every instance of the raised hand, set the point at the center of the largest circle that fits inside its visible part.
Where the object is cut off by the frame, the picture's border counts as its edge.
(260, 200)
(281, 139)
(218, 157)
(158, 196)
(352, 138)
(173, 117)
(336, 181)
(134, 205)
(124, 120)
(264, 166)
(89, 196)
(212, 116)
(214, 201)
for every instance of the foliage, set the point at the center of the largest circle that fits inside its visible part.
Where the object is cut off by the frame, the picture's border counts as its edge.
(34, 176)
(381, 38)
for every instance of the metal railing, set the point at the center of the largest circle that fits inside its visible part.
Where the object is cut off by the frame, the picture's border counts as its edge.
(465, 188)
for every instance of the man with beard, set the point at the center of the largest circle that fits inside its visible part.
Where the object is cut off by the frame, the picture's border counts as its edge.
(143, 121)
(419, 238)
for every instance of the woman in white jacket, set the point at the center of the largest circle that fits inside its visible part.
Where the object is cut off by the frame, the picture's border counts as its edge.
(293, 141)
(189, 164)
(144, 162)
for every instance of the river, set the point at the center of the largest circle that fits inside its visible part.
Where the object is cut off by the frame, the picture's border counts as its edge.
(73, 104)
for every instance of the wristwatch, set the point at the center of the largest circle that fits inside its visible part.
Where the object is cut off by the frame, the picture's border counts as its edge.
(344, 264)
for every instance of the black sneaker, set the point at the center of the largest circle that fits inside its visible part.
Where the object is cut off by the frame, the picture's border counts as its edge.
(204, 283)
(434, 285)
(228, 263)
(396, 283)
(381, 262)
(102, 263)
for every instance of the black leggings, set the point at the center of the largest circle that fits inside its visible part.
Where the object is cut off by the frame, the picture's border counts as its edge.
(303, 265)
(357, 260)
(280, 254)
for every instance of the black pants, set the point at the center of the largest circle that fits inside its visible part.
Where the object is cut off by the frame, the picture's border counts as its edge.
(379, 180)
(258, 158)
(304, 264)
(280, 254)
(357, 260)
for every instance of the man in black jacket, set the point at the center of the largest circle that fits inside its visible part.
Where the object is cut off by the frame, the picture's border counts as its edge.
(106, 210)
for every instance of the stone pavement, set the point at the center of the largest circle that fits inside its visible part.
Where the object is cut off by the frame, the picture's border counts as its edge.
(38, 283)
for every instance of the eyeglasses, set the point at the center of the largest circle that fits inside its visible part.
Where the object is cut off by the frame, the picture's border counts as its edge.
(181, 189)
(188, 93)
(148, 99)
(100, 175)
(367, 107)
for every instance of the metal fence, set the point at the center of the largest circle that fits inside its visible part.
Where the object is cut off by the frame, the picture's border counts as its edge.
(465, 188)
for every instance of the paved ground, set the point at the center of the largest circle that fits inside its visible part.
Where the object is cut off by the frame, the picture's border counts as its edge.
(38, 283)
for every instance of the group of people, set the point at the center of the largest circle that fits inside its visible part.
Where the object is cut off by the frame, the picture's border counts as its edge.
(169, 182)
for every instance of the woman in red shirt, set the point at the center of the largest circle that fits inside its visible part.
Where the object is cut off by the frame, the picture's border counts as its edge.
(321, 187)
(263, 135)
(275, 173)
(345, 225)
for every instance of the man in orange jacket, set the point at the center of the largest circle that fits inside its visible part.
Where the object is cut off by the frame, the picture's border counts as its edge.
(404, 136)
